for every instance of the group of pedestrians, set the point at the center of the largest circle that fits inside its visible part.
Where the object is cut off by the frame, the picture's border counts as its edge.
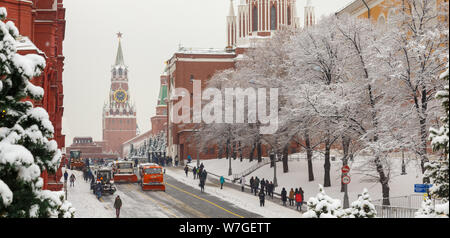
(199, 173)
(87, 175)
(71, 179)
(265, 188)
(295, 197)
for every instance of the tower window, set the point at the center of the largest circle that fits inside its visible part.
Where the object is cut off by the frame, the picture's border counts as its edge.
(120, 71)
(273, 18)
(255, 19)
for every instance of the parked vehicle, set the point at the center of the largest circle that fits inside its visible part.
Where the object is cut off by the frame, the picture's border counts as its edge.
(151, 177)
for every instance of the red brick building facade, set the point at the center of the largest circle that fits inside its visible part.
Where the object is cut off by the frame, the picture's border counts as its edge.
(42, 26)
(89, 149)
(256, 21)
(119, 115)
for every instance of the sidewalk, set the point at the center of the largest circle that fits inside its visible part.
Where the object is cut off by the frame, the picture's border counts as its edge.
(213, 180)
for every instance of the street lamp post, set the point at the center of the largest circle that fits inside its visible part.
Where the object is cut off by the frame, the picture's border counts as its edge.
(274, 158)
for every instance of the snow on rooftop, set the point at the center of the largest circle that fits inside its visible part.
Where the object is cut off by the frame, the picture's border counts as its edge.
(24, 43)
(201, 51)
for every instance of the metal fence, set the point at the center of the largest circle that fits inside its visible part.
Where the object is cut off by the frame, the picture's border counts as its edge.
(394, 212)
(412, 201)
(251, 169)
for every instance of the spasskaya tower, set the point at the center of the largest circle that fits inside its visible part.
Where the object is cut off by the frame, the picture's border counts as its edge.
(119, 115)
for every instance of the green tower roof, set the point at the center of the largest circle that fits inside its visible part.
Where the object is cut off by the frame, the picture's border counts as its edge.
(162, 96)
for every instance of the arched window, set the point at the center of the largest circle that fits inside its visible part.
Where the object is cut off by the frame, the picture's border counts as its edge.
(255, 19)
(390, 16)
(273, 18)
(120, 71)
(381, 20)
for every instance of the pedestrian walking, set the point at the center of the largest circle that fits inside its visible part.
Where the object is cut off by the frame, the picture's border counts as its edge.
(98, 190)
(284, 196)
(117, 206)
(202, 177)
(194, 171)
(291, 197)
(252, 184)
(66, 175)
(299, 200)
(222, 181)
(72, 180)
(189, 159)
(303, 197)
(256, 185)
(242, 183)
(262, 196)
(263, 185)
(272, 188)
(186, 170)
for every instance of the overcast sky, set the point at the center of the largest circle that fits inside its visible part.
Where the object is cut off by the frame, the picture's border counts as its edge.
(152, 30)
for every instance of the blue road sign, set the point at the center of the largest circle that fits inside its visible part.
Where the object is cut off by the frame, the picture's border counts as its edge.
(421, 188)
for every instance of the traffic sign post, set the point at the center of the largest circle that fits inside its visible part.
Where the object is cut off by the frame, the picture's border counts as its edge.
(346, 179)
(345, 169)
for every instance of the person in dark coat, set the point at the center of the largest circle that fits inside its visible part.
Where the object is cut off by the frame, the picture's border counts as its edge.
(270, 188)
(98, 190)
(194, 171)
(284, 196)
(202, 177)
(262, 196)
(186, 170)
(252, 184)
(263, 185)
(72, 180)
(117, 205)
(256, 184)
(66, 175)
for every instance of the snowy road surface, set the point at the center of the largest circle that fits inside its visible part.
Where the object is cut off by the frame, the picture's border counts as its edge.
(179, 201)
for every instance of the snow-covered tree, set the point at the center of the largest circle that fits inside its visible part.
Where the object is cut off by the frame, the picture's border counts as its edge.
(323, 206)
(25, 145)
(417, 44)
(437, 171)
(363, 207)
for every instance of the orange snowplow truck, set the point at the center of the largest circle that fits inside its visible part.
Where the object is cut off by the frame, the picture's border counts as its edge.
(124, 172)
(152, 177)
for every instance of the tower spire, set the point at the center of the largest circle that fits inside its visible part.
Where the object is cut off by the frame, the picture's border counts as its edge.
(119, 57)
(231, 27)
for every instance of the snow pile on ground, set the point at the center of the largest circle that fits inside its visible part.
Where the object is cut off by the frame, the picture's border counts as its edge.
(240, 199)
(400, 185)
(323, 206)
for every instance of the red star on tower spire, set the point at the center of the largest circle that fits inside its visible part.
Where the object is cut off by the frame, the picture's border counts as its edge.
(119, 35)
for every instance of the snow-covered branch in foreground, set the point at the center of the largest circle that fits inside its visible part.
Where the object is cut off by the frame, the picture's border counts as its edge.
(26, 149)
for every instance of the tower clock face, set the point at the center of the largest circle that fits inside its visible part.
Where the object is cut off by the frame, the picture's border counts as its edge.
(120, 96)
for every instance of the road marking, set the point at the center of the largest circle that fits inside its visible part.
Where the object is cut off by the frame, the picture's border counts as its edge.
(185, 206)
(193, 195)
(155, 201)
